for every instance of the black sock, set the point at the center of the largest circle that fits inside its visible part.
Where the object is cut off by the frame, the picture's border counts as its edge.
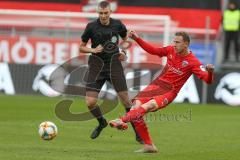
(127, 109)
(96, 112)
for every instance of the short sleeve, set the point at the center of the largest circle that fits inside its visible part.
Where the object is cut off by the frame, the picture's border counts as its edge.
(86, 34)
(122, 30)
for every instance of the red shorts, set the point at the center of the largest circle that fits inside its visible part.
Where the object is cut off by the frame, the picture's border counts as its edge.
(158, 90)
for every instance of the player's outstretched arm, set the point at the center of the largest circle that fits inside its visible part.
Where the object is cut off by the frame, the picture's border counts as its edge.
(146, 46)
(210, 69)
(204, 72)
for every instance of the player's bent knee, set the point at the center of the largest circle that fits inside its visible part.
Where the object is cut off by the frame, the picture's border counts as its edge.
(91, 102)
(126, 103)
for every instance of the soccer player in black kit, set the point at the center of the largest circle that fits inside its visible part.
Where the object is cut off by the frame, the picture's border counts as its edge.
(104, 62)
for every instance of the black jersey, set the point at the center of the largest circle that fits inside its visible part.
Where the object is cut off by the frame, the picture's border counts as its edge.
(106, 35)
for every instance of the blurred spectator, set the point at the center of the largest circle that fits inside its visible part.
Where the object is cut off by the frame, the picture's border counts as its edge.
(231, 26)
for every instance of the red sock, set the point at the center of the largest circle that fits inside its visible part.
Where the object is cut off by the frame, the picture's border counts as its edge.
(142, 131)
(134, 114)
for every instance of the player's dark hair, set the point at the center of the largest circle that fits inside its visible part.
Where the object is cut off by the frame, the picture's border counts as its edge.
(185, 36)
(104, 4)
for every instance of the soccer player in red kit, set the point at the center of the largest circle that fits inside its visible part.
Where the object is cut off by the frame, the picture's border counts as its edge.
(181, 64)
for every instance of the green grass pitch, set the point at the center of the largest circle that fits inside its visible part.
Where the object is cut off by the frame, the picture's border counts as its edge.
(180, 131)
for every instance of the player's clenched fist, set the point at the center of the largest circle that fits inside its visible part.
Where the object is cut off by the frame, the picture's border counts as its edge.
(122, 56)
(132, 34)
(98, 49)
(210, 67)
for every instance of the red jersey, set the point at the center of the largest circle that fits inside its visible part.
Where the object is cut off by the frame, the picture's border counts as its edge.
(178, 68)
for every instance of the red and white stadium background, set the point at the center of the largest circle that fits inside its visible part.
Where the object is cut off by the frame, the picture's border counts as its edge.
(187, 13)
(36, 50)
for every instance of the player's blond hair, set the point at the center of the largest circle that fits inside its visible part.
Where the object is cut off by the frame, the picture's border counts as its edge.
(103, 4)
(186, 37)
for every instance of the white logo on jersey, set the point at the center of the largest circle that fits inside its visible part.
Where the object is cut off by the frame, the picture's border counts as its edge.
(114, 39)
(184, 63)
(203, 68)
(175, 70)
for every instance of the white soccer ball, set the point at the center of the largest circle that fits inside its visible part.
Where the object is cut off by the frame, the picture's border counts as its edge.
(47, 130)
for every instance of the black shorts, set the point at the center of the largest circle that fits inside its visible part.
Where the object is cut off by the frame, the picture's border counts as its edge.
(99, 72)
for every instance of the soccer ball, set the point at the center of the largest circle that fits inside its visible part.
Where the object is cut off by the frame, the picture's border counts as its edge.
(47, 130)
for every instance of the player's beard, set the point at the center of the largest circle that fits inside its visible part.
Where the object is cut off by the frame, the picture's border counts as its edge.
(183, 52)
(178, 51)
